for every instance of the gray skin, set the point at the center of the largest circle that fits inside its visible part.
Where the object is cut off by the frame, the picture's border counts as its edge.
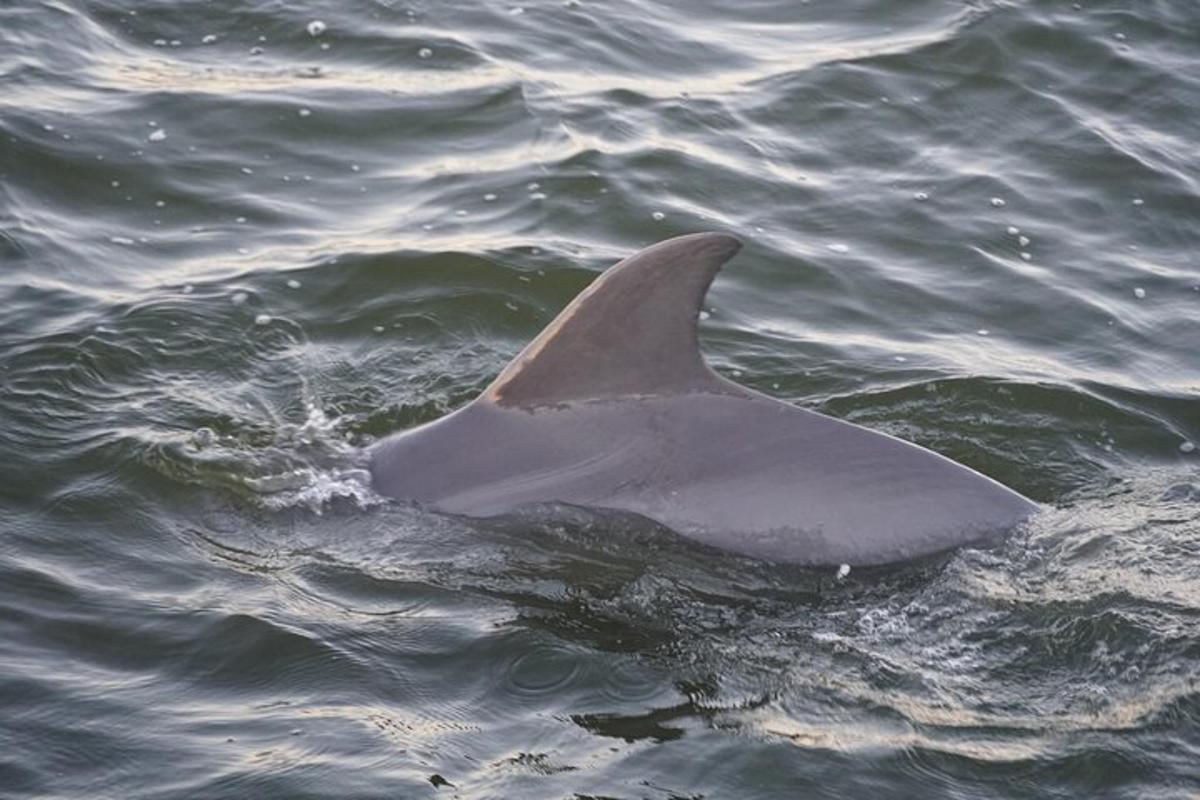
(612, 407)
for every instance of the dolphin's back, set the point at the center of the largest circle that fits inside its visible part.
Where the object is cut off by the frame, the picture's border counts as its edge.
(612, 407)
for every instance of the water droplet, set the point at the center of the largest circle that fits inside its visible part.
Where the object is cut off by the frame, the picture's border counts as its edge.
(1139, 293)
(425, 52)
(316, 27)
(293, 284)
(997, 201)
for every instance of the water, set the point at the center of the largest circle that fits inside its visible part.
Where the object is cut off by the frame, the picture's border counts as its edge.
(237, 246)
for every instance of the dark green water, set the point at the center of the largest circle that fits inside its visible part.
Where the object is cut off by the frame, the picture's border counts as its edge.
(228, 263)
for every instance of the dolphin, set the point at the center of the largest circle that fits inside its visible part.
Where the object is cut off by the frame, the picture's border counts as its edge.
(612, 407)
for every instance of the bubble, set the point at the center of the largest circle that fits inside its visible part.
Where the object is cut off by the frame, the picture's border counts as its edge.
(304, 112)
(209, 39)
(294, 284)
(922, 196)
(1139, 293)
(316, 27)
(425, 52)
(1023, 241)
(489, 197)
(1137, 201)
(1013, 230)
(120, 240)
(998, 202)
(658, 216)
(1025, 256)
(262, 319)
(239, 298)
(247, 171)
(1187, 447)
(983, 331)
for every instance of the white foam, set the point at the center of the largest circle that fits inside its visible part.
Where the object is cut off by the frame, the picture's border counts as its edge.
(316, 27)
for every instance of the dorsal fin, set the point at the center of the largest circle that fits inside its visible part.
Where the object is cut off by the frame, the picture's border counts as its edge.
(632, 332)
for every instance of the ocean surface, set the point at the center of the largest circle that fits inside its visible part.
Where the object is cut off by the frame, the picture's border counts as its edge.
(239, 241)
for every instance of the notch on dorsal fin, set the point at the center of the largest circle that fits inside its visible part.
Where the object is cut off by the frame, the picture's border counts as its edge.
(632, 332)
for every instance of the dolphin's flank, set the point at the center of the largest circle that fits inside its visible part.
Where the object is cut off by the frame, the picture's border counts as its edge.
(613, 407)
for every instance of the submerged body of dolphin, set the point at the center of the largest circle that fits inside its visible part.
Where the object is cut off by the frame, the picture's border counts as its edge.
(612, 407)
